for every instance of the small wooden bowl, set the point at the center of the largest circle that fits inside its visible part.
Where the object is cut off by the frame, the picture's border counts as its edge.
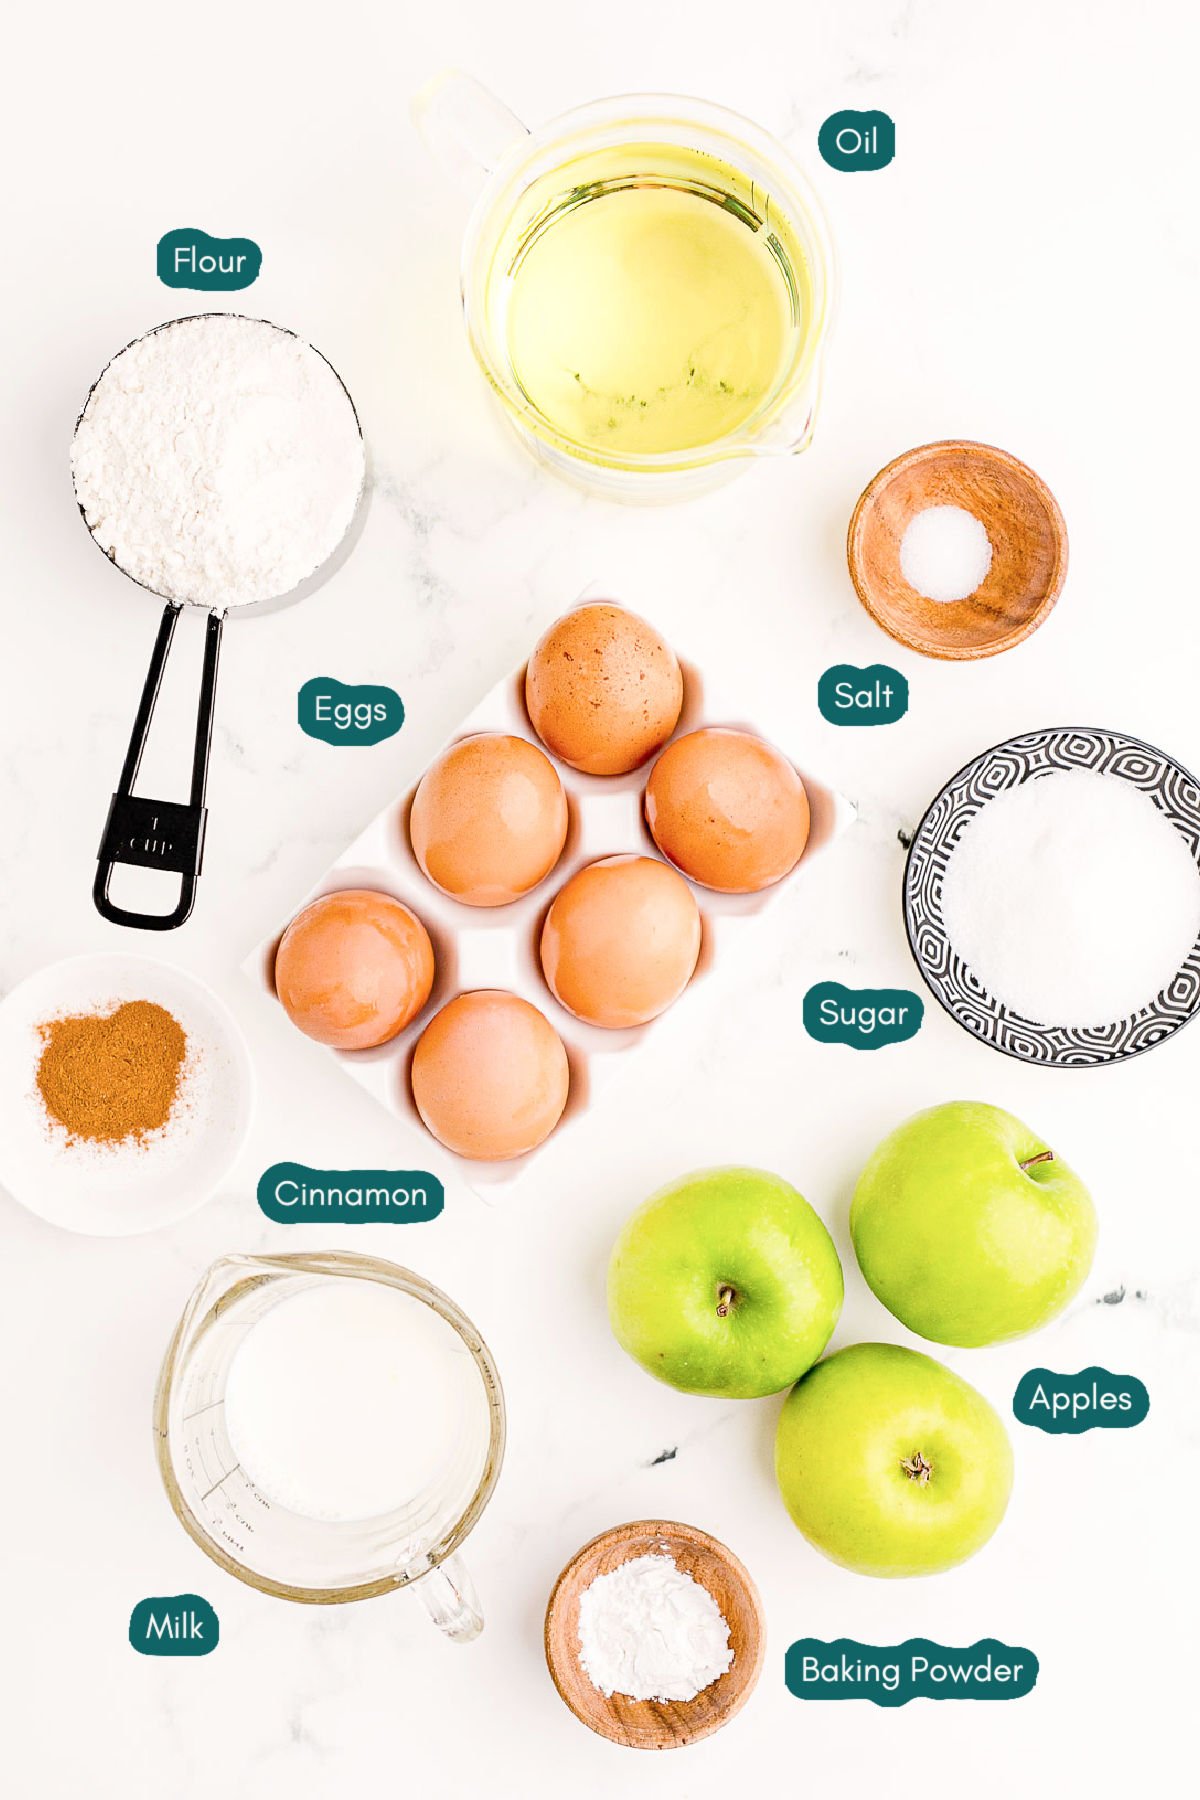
(657, 1724)
(1020, 516)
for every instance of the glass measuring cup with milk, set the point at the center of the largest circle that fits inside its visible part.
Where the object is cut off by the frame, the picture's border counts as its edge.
(647, 283)
(330, 1427)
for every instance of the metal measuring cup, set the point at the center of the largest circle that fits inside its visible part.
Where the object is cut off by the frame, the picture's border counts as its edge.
(169, 834)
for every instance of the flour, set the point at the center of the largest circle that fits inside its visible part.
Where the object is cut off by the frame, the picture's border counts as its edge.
(649, 1631)
(218, 460)
(1072, 898)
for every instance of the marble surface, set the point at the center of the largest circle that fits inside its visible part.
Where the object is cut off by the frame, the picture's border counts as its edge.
(1024, 273)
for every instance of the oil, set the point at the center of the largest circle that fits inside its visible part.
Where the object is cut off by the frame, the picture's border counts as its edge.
(654, 300)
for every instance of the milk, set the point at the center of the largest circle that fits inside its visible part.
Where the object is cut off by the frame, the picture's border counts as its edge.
(350, 1399)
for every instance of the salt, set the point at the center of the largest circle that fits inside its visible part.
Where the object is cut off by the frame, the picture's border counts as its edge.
(1072, 898)
(945, 553)
(647, 1630)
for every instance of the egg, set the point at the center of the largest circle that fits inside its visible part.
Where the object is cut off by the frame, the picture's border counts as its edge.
(490, 1076)
(603, 691)
(354, 968)
(728, 809)
(620, 941)
(489, 819)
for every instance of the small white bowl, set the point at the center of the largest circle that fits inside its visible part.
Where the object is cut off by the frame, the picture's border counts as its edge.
(121, 1189)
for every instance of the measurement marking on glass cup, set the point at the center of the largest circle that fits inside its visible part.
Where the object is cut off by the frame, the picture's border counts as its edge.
(203, 1409)
(221, 1483)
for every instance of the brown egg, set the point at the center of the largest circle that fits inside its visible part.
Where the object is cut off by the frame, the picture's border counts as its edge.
(621, 940)
(728, 809)
(490, 1076)
(489, 819)
(353, 968)
(603, 690)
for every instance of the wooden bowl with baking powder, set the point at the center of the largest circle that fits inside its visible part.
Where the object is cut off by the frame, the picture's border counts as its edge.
(657, 1724)
(1020, 516)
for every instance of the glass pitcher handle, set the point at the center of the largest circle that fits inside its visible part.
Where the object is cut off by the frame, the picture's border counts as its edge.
(465, 128)
(448, 1596)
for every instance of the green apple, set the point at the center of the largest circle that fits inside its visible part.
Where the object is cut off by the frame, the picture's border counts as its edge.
(725, 1283)
(890, 1463)
(969, 1228)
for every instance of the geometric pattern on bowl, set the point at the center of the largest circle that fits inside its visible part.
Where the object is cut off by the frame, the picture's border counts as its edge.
(953, 983)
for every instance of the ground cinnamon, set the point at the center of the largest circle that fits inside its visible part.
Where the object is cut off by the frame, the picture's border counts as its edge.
(109, 1077)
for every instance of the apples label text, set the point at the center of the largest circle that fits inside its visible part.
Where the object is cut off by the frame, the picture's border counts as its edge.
(1075, 1403)
(853, 141)
(894, 1674)
(863, 1018)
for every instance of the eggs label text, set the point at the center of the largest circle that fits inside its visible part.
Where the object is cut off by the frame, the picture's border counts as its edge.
(863, 1018)
(340, 714)
(1075, 1403)
(293, 1195)
(894, 1674)
(873, 696)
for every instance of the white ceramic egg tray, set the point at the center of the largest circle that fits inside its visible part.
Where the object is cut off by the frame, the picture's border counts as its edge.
(497, 947)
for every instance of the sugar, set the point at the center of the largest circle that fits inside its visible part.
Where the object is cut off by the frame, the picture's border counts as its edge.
(1072, 898)
(945, 553)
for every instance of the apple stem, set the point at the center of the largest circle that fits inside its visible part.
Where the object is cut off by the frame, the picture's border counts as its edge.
(917, 1469)
(1042, 1156)
(725, 1299)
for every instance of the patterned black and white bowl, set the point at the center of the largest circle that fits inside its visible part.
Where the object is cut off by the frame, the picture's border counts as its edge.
(953, 984)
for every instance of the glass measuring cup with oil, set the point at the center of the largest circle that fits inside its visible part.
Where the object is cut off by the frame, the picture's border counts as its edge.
(646, 282)
(330, 1427)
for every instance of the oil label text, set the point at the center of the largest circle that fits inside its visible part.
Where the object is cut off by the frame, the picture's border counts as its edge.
(852, 141)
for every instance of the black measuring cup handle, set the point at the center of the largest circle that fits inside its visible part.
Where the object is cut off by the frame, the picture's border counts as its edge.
(161, 834)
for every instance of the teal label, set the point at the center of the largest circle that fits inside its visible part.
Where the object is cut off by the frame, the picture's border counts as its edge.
(293, 1195)
(857, 140)
(192, 259)
(1073, 1403)
(863, 1018)
(174, 1625)
(894, 1674)
(338, 714)
(873, 696)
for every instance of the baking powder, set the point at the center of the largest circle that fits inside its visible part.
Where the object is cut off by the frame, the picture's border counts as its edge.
(218, 460)
(649, 1631)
